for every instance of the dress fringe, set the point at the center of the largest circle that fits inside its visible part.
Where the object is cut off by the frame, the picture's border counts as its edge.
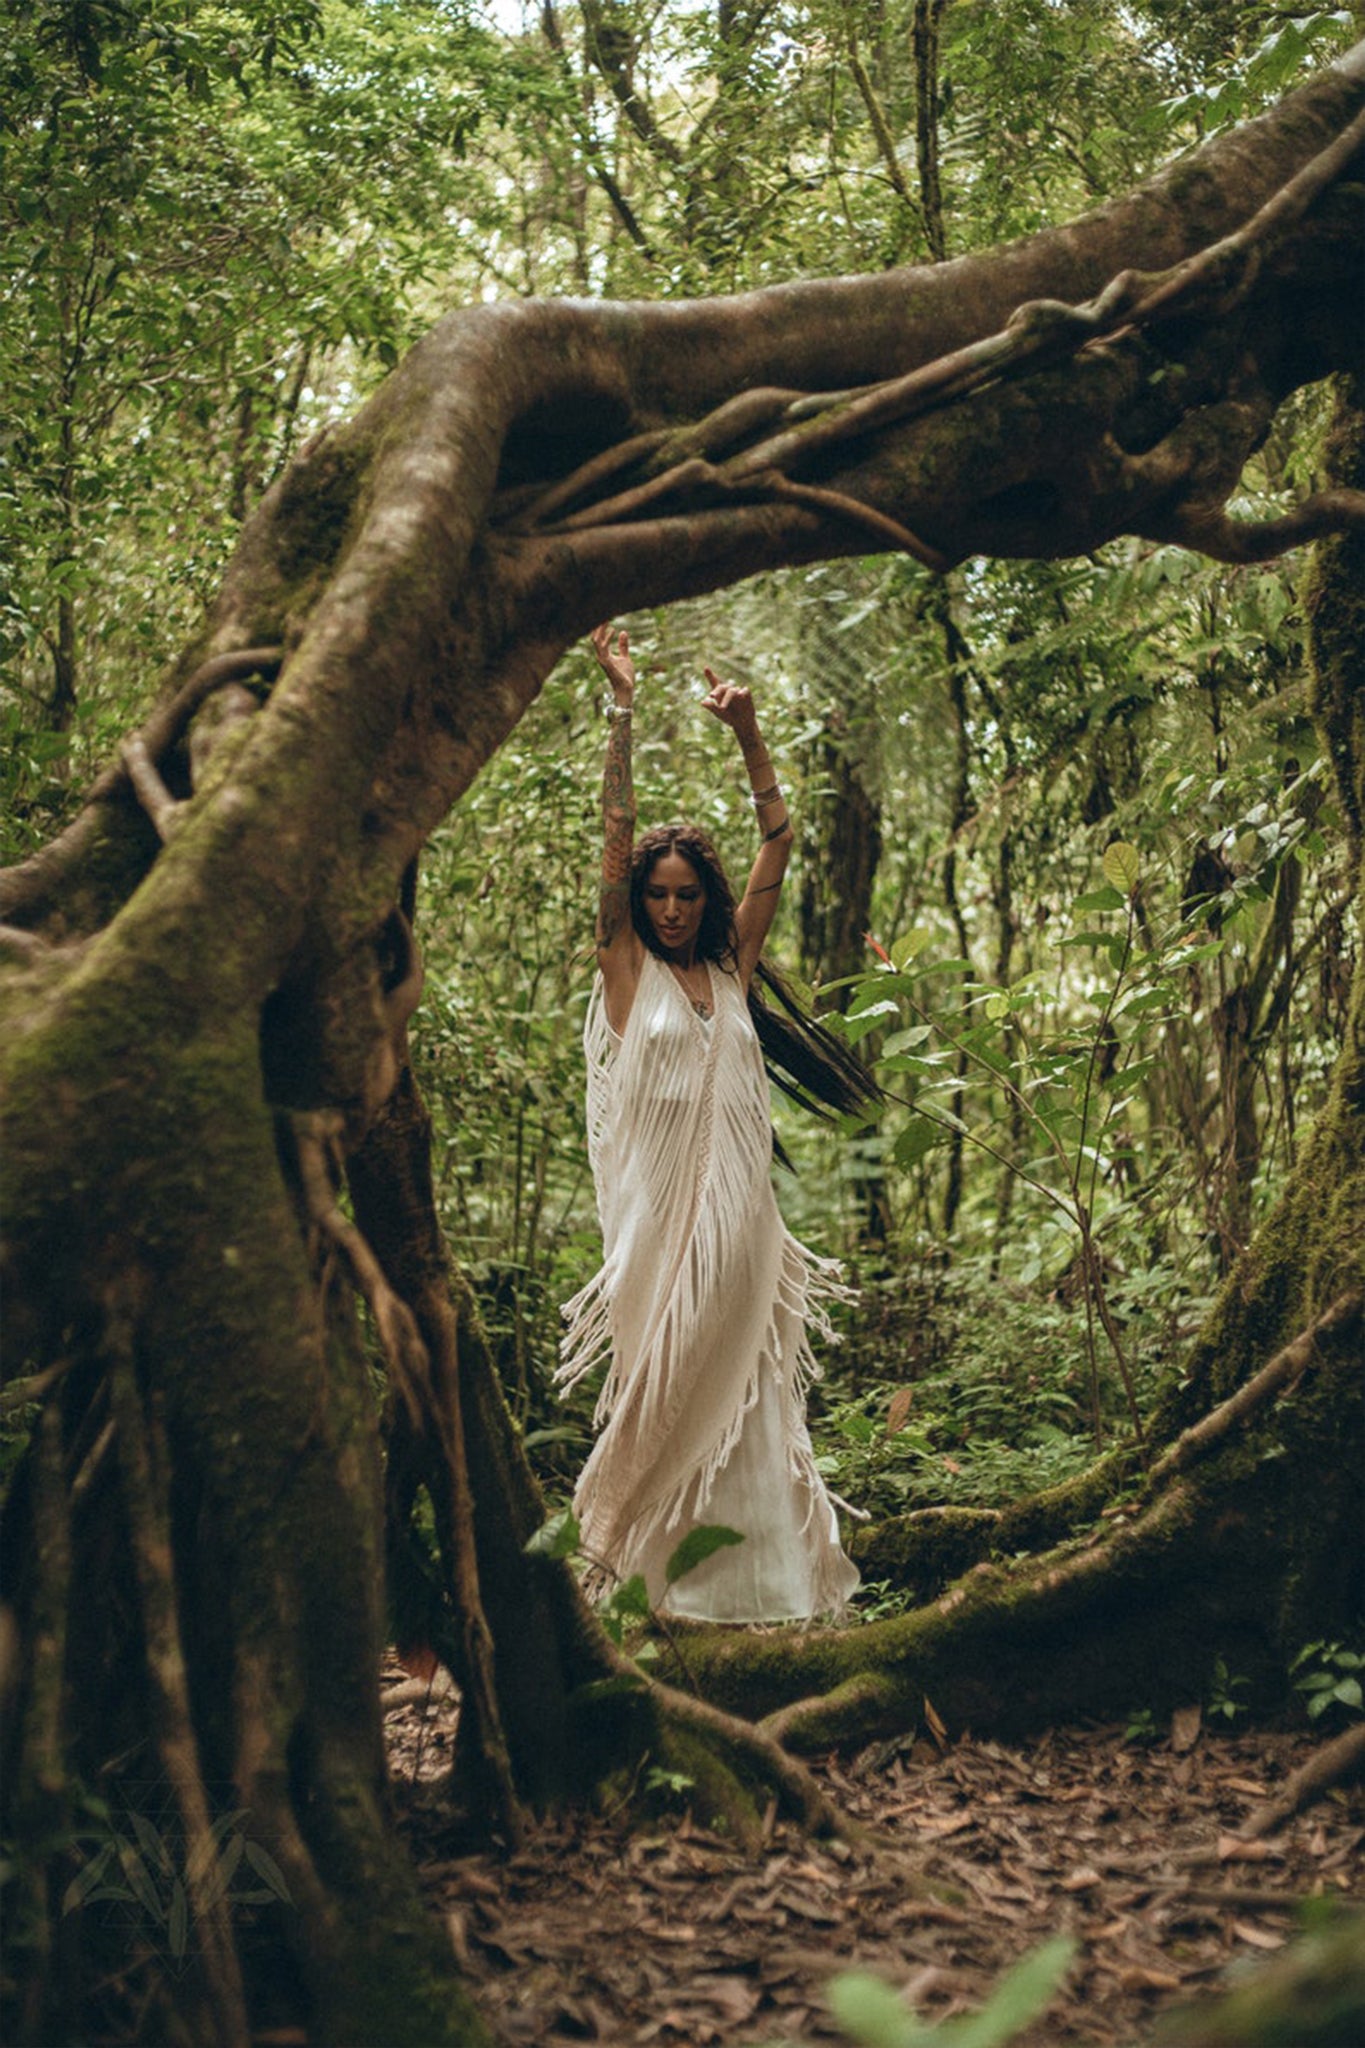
(703, 1294)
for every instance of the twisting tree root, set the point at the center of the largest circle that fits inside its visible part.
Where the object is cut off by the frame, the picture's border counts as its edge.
(423, 1367)
(1280, 1372)
(404, 1351)
(41, 1774)
(1336, 1763)
(143, 1469)
(25, 887)
(767, 436)
(756, 1749)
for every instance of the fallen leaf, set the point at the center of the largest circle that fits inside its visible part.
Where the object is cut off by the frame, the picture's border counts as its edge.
(459, 1939)
(734, 1997)
(1232, 1849)
(1257, 1937)
(898, 1409)
(947, 1824)
(1185, 1724)
(1081, 1879)
(1138, 1978)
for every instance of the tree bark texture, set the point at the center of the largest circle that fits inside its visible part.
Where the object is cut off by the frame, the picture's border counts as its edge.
(202, 980)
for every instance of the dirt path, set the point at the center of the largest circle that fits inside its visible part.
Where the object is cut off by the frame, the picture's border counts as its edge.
(676, 1938)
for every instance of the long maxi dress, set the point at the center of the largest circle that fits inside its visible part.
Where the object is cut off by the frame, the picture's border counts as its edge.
(704, 1306)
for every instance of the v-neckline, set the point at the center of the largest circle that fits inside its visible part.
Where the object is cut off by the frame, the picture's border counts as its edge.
(704, 1018)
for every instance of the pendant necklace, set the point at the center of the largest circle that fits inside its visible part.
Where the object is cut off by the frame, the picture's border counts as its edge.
(702, 1005)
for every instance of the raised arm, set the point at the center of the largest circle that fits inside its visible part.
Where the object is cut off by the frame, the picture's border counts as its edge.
(733, 706)
(618, 948)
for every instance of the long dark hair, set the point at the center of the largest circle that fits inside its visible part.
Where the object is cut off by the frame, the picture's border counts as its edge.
(804, 1058)
(716, 940)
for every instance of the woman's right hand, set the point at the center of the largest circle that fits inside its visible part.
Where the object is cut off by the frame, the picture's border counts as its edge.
(616, 663)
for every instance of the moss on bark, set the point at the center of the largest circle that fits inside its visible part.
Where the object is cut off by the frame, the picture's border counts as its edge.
(1240, 1556)
(146, 1169)
(925, 1550)
(145, 1195)
(1309, 1252)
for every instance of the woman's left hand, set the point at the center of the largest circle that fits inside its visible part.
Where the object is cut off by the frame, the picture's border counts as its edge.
(732, 704)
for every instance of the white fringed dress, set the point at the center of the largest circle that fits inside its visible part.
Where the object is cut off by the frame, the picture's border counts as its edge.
(704, 1305)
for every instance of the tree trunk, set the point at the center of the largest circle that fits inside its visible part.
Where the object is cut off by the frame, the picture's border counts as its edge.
(1234, 1543)
(198, 991)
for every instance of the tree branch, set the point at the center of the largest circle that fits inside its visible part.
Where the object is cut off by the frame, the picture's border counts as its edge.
(24, 886)
(876, 114)
(1211, 530)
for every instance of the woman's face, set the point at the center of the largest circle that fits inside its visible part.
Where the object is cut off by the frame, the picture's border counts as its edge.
(675, 900)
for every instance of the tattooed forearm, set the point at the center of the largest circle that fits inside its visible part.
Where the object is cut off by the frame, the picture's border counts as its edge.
(618, 821)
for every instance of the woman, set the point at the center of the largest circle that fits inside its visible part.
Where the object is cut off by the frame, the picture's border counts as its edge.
(704, 1302)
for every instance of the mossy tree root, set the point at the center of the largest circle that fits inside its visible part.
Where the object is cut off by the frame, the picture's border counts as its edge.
(192, 1551)
(577, 1717)
(1232, 1552)
(925, 1550)
(164, 1005)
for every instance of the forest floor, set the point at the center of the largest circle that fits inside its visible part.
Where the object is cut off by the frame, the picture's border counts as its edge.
(589, 1933)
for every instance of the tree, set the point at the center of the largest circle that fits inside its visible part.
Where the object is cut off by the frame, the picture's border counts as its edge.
(208, 977)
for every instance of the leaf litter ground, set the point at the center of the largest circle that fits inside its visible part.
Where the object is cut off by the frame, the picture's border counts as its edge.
(590, 1933)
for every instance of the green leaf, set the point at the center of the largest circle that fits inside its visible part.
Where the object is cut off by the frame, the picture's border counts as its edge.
(224, 1871)
(1021, 1996)
(87, 1880)
(930, 1065)
(178, 1921)
(153, 1847)
(140, 1881)
(558, 1537)
(631, 1597)
(561, 1433)
(1122, 865)
(909, 945)
(697, 1545)
(1162, 998)
(616, 1687)
(871, 2013)
(268, 1870)
(864, 1019)
(919, 1137)
(904, 1041)
(1099, 899)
